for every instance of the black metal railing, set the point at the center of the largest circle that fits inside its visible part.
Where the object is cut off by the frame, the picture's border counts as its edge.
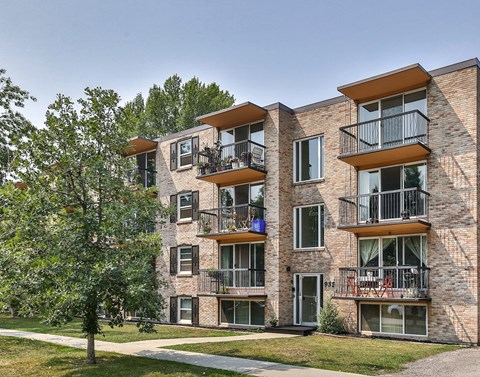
(232, 281)
(382, 282)
(233, 156)
(388, 205)
(391, 131)
(147, 178)
(246, 217)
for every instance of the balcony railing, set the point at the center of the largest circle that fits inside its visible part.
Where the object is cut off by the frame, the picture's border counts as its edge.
(391, 131)
(232, 281)
(388, 205)
(233, 156)
(246, 218)
(401, 282)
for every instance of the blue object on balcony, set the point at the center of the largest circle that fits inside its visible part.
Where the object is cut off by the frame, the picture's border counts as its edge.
(258, 226)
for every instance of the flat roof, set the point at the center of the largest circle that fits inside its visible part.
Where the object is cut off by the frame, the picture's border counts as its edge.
(400, 80)
(237, 115)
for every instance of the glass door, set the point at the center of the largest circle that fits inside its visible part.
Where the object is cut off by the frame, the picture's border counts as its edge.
(368, 203)
(392, 128)
(391, 201)
(308, 299)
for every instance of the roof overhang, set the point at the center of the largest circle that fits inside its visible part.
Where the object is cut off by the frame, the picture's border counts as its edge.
(234, 116)
(398, 81)
(139, 145)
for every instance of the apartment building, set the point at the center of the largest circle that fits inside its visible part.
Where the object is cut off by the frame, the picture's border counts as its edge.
(370, 197)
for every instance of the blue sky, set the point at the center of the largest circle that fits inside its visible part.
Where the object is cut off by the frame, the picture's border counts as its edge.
(295, 52)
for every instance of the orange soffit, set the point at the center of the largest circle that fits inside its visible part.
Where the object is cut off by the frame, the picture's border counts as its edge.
(234, 116)
(139, 145)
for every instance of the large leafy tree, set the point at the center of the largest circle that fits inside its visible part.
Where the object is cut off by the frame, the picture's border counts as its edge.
(174, 106)
(77, 236)
(13, 125)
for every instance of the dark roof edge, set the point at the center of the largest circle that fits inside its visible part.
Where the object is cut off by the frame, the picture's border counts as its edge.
(324, 103)
(455, 67)
(142, 138)
(278, 105)
(248, 103)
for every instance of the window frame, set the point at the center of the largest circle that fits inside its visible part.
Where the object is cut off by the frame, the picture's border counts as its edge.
(179, 260)
(321, 232)
(145, 168)
(180, 155)
(179, 207)
(321, 158)
(235, 316)
(403, 334)
(180, 309)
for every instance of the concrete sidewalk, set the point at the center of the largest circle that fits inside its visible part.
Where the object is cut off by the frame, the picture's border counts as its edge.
(149, 349)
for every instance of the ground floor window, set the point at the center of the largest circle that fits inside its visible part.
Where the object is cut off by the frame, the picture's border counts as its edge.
(394, 319)
(242, 312)
(185, 310)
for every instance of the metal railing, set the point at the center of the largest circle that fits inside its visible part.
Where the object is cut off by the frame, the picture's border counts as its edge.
(246, 217)
(388, 205)
(382, 282)
(233, 156)
(232, 281)
(391, 131)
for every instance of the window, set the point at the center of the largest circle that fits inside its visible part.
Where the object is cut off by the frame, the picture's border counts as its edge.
(249, 313)
(394, 319)
(185, 206)
(244, 264)
(185, 310)
(185, 260)
(253, 132)
(309, 159)
(184, 153)
(309, 227)
(145, 172)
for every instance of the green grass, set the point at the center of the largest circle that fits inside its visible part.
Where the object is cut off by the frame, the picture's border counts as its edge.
(22, 357)
(127, 333)
(347, 354)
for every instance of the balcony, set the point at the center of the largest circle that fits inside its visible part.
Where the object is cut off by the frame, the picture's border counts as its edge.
(242, 223)
(232, 282)
(401, 283)
(385, 141)
(382, 213)
(230, 164)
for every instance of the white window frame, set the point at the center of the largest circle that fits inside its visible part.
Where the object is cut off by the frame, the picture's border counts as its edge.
(180, 219)
(179, 254)
(185, 321)
(235, 313)
(403, 334)
(250, 255)
(320, 231)
(321, 158)
(180, 155)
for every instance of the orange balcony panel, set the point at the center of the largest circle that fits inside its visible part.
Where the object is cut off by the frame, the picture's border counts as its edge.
(387, 156)
(234, 176)
(234, 116)
(384, 228)
(139, 145)
(390, 83)
(235, 237)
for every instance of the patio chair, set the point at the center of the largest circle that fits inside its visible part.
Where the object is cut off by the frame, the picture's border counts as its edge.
(257, 157)
(386, 286)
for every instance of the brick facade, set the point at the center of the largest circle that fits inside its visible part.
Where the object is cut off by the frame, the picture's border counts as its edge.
(453, 244)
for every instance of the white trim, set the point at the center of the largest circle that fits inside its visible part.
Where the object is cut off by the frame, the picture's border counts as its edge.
(179, 262)
(320, 230)
(179, 155)
(179, 304)
(319, 276)
(179, 207)
(321, 158)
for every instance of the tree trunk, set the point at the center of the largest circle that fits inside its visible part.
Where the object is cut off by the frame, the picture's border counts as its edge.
(91, 359)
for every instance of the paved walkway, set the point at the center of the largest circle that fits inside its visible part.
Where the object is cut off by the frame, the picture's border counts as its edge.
(149, 348)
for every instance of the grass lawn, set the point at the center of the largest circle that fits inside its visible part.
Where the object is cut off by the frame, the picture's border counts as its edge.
(127, 333)
(347, 354)
(22, 357)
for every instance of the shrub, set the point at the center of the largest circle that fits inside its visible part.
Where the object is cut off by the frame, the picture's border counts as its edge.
(329, 321)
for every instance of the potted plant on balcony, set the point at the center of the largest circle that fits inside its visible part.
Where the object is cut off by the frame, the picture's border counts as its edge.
(205, 225)
(214, 155)
(234, 163)
(246, 157)
(226, 163)
(202, 166)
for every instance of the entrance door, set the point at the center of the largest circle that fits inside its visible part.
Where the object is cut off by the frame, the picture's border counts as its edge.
(308, 299)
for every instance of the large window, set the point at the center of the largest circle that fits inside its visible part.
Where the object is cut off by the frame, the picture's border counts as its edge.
(394, 319)
(253, 132)
(185, 206)
(185, 310)
(242, 312)
(184, 153)
(185, 260)
(244, 264)
(145, 172)
(309, 159)
(309, 227)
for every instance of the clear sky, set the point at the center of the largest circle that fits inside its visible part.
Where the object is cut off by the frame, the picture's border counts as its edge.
(294, 52)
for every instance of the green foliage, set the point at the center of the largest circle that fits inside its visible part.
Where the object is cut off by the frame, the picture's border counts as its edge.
(328, 321)
(174, 106)
(78, 236)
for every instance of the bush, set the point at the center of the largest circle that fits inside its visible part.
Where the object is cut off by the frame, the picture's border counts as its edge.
(329, 321)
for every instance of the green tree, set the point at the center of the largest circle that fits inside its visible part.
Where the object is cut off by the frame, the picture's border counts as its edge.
(174, 106)
(79, 236)
(13, 125)
(329, 322)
